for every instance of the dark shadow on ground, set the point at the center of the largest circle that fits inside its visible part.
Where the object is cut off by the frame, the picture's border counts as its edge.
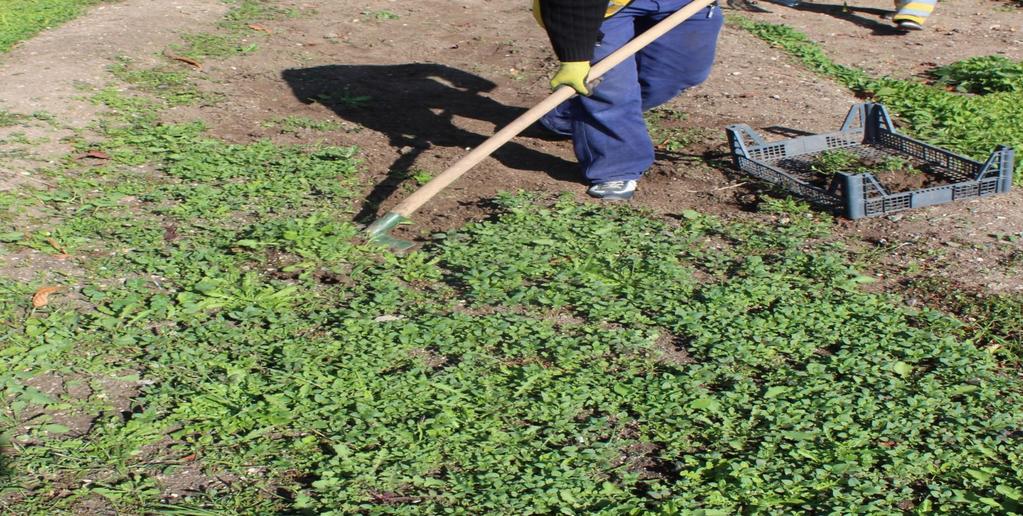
(854, 14)
(787, 132)
(5, 472)
(415, 106)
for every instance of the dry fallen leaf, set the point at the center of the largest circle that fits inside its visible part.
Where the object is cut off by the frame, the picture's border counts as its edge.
(62, 253)
(42, 296)
(95, 154)
(256, 26)
(183, 59)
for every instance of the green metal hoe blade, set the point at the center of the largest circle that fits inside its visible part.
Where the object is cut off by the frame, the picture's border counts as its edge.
(378, 233)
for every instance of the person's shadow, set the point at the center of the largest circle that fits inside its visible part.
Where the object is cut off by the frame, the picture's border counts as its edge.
(850, 14)
(415, 106)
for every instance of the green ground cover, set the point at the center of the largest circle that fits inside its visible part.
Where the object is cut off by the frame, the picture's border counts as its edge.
(617, 363)
(972, 124)
(21, 19)
(559, 357)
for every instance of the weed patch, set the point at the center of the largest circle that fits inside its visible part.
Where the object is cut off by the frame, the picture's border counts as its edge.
(294, 124)
(173, 85)
(439, 382)
(664, 130)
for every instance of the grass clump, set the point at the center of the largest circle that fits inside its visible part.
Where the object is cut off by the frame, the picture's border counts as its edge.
(293, 124)
(246, 12)
(203, 45)
(970, 124)
(8, 119)
(381, 15)
(173, 85)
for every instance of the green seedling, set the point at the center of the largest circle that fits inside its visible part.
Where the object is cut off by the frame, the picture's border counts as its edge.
(829, 163)
(293, 124)
(832, 162)
(345, 98)
(382, 15)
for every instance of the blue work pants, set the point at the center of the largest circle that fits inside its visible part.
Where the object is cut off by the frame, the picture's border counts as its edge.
(608, 131)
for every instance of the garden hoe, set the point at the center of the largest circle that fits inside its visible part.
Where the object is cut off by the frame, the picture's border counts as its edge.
(378, 231)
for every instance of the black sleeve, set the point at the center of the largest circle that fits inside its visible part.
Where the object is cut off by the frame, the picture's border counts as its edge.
(573, 26)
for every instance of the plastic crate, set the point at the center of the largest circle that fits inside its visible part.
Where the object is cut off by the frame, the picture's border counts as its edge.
(868, 131)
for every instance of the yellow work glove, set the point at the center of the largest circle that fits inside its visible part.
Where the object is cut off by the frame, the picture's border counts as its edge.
(572, 73)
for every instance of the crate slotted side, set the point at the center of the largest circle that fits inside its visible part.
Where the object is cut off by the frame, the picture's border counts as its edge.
(868, 133)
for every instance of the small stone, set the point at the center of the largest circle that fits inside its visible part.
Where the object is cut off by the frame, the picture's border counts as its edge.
(387, 318)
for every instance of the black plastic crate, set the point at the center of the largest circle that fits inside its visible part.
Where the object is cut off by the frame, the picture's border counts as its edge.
(868, 132)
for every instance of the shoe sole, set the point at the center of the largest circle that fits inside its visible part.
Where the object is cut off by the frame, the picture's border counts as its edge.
(612, 197)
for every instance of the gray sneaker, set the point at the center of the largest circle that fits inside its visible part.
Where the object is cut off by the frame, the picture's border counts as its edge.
(613, 190)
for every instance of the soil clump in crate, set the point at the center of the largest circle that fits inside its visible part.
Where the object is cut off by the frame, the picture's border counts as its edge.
(896, 173)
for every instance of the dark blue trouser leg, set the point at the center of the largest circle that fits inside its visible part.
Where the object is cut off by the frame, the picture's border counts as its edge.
(609, 134)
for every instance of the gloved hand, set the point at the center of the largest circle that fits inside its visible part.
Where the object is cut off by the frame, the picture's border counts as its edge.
(572, 73)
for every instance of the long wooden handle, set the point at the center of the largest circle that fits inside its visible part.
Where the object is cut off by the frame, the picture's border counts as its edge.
(435, 185)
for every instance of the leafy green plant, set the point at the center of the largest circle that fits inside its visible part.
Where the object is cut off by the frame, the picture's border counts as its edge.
(993, 322)
(982, 75)
(381, 15)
